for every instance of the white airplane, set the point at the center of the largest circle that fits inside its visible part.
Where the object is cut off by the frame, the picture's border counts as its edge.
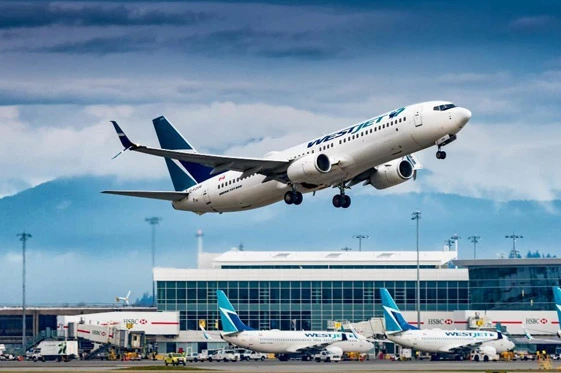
(375, 152)
(531, 339)
(285, 342)
(458, 342)
(124, 299)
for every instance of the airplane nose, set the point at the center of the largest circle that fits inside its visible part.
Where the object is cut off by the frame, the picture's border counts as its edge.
(463, 116)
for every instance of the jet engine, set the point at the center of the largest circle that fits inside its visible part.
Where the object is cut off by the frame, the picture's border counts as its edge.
(334, 350)
(392, 173)
(311, 168)
(488, 350)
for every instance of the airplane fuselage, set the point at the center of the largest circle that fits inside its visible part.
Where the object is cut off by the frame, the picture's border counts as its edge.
(274, 341)
(443, 341)
(351, 151)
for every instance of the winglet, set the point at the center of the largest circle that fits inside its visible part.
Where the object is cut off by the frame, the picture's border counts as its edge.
(205, 334)
(122, 137)
(527, 334)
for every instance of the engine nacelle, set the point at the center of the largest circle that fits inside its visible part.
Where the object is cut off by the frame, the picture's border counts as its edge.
(392, 173)
(334, 350)
(311, 168)
(488, 350)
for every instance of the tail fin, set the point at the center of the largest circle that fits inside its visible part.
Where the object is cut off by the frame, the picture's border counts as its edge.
(231, 322)
(183, 174)
(395, 322)
(557, 297)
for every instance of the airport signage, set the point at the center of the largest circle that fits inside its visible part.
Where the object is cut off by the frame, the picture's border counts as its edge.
(536, 320)
(440, 321)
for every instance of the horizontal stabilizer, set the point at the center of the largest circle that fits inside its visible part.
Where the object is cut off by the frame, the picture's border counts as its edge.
(167, 196)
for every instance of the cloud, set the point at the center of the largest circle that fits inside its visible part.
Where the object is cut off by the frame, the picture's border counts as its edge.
(82, 279)
(40, 14)
(533, 23)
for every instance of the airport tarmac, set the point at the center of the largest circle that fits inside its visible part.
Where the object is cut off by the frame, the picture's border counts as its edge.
(282, 367)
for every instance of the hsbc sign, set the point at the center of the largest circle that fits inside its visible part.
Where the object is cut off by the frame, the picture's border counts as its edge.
(440, 321)
(536, 320)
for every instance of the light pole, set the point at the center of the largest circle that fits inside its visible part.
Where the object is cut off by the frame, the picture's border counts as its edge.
(23, 237)
(360, 238)
(514, 253)
(455, 238)
(416, 216)
(474, 239)
(153, 221)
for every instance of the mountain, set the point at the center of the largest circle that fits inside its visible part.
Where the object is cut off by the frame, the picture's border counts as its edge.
(103, 243)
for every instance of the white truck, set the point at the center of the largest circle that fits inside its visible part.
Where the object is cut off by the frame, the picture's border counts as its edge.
(225, 355)
(257, 356)
(481, 355)
(327, 357)
(55, 350)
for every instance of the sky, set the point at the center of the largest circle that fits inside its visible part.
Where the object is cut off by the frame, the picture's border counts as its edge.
(247, 78)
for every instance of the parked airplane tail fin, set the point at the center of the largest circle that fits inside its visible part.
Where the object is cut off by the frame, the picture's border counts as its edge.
(557, 297)
(527, 334)
(395, 322)
(183, 174)
(231, 322)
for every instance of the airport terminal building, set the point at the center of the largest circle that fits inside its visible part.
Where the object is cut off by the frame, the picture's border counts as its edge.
(316, 290)
(309, 290)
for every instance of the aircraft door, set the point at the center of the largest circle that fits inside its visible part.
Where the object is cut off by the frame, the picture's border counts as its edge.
(418, 117)
(206, 197)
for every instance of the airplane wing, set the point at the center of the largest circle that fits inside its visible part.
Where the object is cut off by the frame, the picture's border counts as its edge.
(219, 163)
(316, 347)
(167, 196)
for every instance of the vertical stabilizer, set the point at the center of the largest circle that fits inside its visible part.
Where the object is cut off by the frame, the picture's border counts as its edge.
(557, 297)
(183, 174)
(393, 318)
(231, 322)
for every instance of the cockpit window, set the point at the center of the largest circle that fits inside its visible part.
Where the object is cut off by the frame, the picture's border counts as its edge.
(443, 107)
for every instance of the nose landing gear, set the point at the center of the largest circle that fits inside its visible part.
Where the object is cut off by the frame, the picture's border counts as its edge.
(440, 154)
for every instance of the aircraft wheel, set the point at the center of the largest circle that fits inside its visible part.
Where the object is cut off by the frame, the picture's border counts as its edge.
(289, 197)
(346, 201)
(337, 200)
(298, 198)
(443, 155)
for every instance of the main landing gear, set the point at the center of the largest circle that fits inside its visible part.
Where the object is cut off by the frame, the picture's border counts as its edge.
(341, 199)
(293, 197)
(440, 154)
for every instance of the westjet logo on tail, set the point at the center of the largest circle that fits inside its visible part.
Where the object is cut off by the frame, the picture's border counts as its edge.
(354, 129)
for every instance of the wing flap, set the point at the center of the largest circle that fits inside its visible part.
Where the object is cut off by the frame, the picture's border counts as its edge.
(167, 196)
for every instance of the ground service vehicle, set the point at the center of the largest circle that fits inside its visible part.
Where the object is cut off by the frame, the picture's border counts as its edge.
(480, 355)
(192, 357)
(226, 355)
(55, 350)
(244, 354)
(257, 356)
(327, 357)
(174, 359)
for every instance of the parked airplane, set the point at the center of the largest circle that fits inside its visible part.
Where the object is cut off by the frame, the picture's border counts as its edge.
(124, 299)
(531, 339)
(458, 342)
(375, 152)
(285, 342)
